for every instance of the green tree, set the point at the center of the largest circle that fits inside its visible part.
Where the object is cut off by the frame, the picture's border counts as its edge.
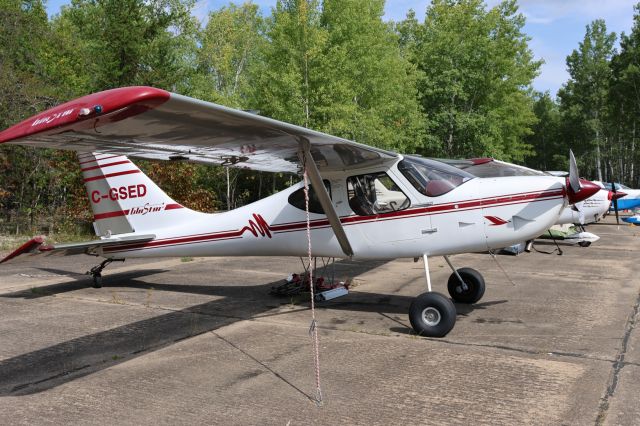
(130, 42)
(478, 71)
(28, 190)
(624, 103)
(547, 145)
(229, 45)
(366, 88)
(584, 97)
(285, 78)
(339, 69)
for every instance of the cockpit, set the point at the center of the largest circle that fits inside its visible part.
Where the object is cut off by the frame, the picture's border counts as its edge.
(432, 178)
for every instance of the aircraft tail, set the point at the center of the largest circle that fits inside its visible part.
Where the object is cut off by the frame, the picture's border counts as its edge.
(124, 200)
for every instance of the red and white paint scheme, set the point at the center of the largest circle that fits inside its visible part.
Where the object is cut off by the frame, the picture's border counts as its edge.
(583, 212)
(365, 202)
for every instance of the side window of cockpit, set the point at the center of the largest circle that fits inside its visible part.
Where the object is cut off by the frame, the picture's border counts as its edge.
(375, 193)
(296, 199)
(430, 179)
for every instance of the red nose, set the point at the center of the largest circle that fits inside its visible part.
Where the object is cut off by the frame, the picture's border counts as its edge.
(617, 195)
(587, 189)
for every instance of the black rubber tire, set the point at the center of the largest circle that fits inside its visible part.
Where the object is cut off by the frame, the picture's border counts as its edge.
(437, 304)
(97, 281)
(474, 281)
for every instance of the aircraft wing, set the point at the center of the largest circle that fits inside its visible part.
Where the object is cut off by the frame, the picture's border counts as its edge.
(149, 123)
(37, 246)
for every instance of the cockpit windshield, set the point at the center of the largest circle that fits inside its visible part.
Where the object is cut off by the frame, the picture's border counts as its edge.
(432, 178)
(488, 167)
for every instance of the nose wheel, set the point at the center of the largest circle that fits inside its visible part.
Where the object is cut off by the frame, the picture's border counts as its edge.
(432, 314)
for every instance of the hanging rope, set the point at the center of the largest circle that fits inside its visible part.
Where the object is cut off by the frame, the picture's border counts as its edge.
(313, 329)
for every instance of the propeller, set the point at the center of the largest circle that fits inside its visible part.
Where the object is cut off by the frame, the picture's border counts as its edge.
(574, 177)
(615, 200)
(578, 189)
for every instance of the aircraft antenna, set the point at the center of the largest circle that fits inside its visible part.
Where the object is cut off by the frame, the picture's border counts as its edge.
(313, 329)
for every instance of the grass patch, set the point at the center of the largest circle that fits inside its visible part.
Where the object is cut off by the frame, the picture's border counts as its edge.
(186, 259)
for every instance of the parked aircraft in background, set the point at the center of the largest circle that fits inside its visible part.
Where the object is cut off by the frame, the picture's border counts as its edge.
(364, 202)
(631, 198)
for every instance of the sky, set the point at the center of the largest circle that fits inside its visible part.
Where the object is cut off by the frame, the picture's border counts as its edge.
(554, 26)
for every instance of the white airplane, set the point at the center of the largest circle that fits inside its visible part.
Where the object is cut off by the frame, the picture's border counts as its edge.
(366, 203)
(584, 212)
(629, 199)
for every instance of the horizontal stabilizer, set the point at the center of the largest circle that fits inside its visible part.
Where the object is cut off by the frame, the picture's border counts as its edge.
(36, 246)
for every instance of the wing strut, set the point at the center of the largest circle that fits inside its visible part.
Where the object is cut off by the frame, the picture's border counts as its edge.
(323, 197)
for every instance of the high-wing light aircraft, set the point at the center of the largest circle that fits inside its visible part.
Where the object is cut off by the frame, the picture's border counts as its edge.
(584, 212)
(630, 198)
(366, 202)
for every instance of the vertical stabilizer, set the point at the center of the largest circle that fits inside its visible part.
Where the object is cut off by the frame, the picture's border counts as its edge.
(124, 200)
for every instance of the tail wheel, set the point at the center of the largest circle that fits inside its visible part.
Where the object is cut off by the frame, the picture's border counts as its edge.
(97, 280)
(432, 315)
(474, 286)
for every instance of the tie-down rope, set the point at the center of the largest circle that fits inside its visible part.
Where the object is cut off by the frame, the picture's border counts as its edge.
(313, 329)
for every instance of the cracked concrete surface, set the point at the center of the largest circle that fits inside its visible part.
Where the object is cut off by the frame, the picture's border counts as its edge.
(173, 342)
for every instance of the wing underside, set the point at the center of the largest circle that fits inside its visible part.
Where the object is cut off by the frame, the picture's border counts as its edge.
(148, 123)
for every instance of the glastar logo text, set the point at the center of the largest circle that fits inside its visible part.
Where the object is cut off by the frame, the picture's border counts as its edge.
(147, 208)
(53, 117)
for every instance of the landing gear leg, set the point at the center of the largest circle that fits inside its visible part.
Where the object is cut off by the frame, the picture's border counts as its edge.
(465, 285)
(432, 314)
(96, 271)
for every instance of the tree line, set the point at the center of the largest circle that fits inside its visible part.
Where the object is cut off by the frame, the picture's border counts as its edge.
(456, 84)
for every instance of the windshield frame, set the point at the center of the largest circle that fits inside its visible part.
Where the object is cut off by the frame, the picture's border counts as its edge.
(413, 169)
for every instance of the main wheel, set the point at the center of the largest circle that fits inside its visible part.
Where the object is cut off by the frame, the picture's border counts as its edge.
(474, 282)
(97, 280)
(432, 315)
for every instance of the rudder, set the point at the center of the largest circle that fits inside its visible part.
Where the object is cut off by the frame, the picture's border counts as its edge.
(123, 199)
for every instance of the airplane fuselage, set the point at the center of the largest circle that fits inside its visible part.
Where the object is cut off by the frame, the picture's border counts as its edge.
(478, 215)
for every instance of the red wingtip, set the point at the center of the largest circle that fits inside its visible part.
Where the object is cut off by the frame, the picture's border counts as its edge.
(478, 161)
(587, 189)
(69, 114)
(27, 247)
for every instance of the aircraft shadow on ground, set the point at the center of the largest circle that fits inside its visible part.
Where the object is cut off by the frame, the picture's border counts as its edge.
(47, 368)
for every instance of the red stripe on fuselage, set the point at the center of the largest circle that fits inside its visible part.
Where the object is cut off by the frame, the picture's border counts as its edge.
(352, 220)
(110, 214)
(173, 206)
(126, 212)
(102, 166)
(108, 175)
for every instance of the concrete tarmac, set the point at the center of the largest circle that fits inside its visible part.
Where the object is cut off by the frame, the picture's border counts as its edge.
(180, 341)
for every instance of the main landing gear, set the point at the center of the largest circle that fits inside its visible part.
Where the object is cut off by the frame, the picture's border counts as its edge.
(96, 271)
(432, 314)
